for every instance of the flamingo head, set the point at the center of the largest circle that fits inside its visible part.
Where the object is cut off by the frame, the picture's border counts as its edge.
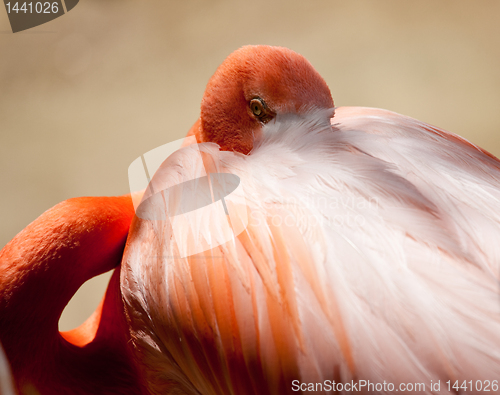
(253, 86)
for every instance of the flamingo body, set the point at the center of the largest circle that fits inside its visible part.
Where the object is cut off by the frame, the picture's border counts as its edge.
(370, 254)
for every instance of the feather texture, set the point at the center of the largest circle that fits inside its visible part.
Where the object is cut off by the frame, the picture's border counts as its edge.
(371, 252)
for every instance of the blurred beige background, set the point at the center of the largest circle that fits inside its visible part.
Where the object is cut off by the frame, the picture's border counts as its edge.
(84, 95)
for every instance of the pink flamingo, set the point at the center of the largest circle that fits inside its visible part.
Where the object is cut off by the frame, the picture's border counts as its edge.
(369, 257)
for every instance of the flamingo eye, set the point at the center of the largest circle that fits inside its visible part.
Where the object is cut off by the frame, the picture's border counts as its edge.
(260, 110)
(257, 107)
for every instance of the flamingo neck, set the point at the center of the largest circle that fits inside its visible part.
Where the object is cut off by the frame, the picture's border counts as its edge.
(41, 269)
